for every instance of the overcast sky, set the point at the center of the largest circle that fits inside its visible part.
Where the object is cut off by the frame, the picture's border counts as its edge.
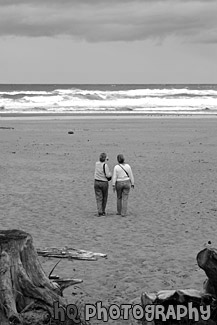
(108, 41)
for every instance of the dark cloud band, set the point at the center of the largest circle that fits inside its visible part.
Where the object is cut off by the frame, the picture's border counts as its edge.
(110, 20)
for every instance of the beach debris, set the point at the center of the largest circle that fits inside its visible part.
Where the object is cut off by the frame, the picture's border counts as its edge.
(50, 275)
(169, 300)
(180, 296)
(207, 298)
(70, 132)
(63, 283)
(69, 253)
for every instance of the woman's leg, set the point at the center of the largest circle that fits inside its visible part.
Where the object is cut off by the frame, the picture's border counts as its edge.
(99, 196)
(105, 187)
(119, 196)
(125, 194)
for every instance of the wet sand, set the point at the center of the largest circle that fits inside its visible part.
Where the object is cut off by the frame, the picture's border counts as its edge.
(47, 190)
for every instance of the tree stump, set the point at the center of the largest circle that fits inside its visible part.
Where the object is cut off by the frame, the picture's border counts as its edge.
(27, 295)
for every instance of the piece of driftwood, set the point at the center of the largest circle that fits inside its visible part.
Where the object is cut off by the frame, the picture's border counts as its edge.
(27, 294)
(167, 298)
(69, 253)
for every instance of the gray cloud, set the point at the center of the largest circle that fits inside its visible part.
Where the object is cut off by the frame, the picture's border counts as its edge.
(110, 20)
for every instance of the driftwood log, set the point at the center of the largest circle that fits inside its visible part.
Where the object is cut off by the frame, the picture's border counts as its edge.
(27, 295)
(69, 253)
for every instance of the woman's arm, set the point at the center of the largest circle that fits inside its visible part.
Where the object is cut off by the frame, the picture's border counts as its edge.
(131, 176)
(114, 177)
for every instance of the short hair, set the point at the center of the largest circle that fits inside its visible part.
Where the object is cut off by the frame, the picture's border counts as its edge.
(102, 157)
(120, 158)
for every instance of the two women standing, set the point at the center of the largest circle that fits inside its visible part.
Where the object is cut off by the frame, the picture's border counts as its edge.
(122, 182)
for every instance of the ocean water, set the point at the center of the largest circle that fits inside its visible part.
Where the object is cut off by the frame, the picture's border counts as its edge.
(75, 98)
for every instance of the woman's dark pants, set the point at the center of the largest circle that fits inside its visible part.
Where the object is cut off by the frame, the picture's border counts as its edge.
(101, 193)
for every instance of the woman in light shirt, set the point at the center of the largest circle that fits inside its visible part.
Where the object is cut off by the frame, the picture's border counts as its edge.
(122, 181)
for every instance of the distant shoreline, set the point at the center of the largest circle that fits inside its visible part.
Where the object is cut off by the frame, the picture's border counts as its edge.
(103, 115)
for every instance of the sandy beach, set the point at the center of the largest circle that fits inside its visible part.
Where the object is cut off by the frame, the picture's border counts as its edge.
(47, 190)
